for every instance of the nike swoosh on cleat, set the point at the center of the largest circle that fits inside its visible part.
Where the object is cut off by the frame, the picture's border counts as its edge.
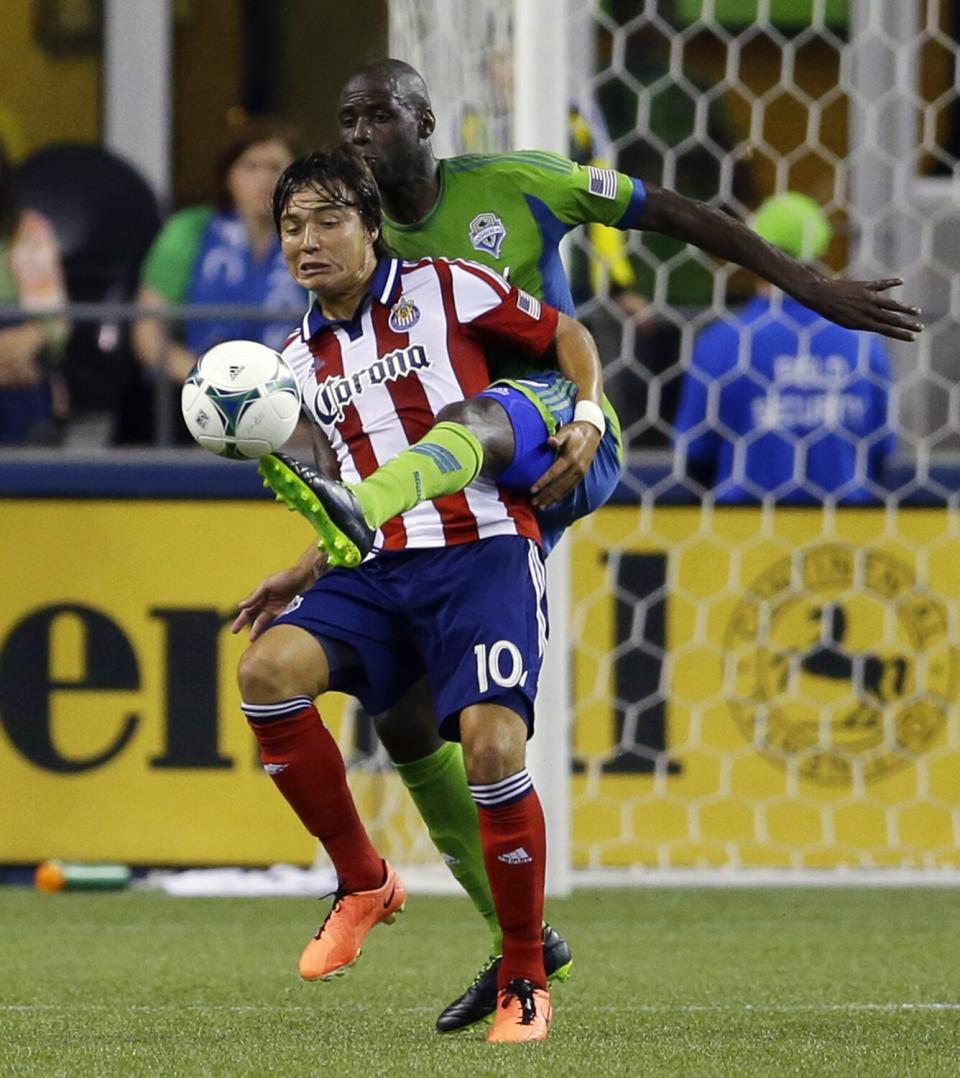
(389, 898)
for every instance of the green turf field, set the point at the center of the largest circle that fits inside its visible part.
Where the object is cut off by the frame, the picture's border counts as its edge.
(668, 982)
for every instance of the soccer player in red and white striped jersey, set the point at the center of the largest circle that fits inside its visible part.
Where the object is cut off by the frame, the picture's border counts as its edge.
(374, 385)
(456, 588)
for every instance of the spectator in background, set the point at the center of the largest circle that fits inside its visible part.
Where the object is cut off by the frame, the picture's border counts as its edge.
(222, 254)
(33, 400)
(780, 402)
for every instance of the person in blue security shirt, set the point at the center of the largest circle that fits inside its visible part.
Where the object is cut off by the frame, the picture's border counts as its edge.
(778, 403)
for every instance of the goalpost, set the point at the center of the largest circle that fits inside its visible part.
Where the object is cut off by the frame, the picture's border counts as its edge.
(493, 69)
(702, 740)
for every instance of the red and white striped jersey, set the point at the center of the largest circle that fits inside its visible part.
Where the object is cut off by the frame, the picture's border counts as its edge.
(418, 342)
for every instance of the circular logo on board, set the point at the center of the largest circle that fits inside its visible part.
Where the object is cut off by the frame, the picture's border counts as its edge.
(839, 665)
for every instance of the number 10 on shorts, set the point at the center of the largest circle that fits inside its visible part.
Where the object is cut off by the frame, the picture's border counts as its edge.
(502, 664)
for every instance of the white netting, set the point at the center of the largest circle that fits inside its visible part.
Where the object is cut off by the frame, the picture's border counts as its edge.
(466, 49)
(758, 684)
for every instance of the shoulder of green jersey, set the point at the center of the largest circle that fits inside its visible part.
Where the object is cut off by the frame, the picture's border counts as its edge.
(518, 160)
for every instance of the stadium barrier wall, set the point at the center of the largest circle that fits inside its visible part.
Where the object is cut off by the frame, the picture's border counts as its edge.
(718, 721)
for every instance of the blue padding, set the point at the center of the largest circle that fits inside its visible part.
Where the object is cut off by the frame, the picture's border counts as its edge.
(140, 474)
(186, 475)
(531, 455)
(633, 212)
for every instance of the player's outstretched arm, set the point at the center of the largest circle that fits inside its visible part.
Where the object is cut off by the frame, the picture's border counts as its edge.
(576, 443)
(273, 594)
(855, 304)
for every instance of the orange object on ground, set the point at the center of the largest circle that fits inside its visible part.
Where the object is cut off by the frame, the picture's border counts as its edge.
(61, 876)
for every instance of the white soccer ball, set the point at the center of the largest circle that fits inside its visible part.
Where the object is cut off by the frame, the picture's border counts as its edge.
(241, 400)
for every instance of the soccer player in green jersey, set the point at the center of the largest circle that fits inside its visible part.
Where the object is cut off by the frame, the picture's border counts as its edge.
(510, 211)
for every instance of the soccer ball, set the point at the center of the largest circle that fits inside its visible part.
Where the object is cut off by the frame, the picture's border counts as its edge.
(241, 400)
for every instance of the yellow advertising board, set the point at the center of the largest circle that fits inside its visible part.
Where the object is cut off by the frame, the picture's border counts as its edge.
(766, 688)
(122, 736)
(751, 688)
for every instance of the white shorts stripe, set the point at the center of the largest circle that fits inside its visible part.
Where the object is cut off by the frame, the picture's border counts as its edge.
(538, 576)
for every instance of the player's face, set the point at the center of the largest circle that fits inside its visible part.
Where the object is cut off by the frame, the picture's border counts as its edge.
(383, 127)
(327, 247)
(252, 176)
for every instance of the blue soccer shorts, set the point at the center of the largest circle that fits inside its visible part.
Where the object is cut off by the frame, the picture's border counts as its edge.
(537, 406)
(473, 617)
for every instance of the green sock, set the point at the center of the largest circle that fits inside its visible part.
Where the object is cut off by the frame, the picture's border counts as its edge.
(438, 786)
(443, 462)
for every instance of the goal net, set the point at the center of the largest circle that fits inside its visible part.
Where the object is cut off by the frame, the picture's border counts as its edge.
(764, 624)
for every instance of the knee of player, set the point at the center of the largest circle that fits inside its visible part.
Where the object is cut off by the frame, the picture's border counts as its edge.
(488, 423)
(264, 676)
(457, 412)
(493, 749)
(256, 676)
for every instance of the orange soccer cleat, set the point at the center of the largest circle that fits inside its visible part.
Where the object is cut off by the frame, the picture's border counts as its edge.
(337, 945)
(523, 1014)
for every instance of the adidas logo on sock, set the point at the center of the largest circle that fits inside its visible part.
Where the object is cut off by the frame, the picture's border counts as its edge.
(274, 769)
(519, 856)
(449, 859)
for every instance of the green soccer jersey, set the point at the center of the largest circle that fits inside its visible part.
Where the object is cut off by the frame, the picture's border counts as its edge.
(510, 211)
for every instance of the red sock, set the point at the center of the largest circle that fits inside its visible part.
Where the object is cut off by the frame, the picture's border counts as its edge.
(308, 770)
(514, 844)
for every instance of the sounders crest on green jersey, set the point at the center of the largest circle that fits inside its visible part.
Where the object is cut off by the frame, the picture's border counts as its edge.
(487, 233)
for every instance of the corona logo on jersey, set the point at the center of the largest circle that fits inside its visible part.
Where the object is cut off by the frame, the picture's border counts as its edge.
(404, 315)
(487, 233)
(840, 663)
(335, 394)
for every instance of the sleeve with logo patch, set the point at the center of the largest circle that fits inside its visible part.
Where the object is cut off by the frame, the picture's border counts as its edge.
(495, 313)
(581, 194)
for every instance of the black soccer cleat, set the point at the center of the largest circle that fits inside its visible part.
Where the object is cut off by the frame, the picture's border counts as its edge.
(479, 1001)
(330, 507)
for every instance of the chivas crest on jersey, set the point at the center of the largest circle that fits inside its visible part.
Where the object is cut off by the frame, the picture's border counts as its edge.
(404, 315)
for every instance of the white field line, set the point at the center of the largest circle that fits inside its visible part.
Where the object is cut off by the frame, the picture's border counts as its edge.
(435, 879)
(646, 1008)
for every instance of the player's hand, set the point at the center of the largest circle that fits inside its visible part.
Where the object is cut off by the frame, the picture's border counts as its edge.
(272, 595)
(576, 444)
(863, 305)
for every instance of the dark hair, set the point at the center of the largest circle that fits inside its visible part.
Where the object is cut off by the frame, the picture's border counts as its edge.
(9, 203)
(238, 140)
(341, 175)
